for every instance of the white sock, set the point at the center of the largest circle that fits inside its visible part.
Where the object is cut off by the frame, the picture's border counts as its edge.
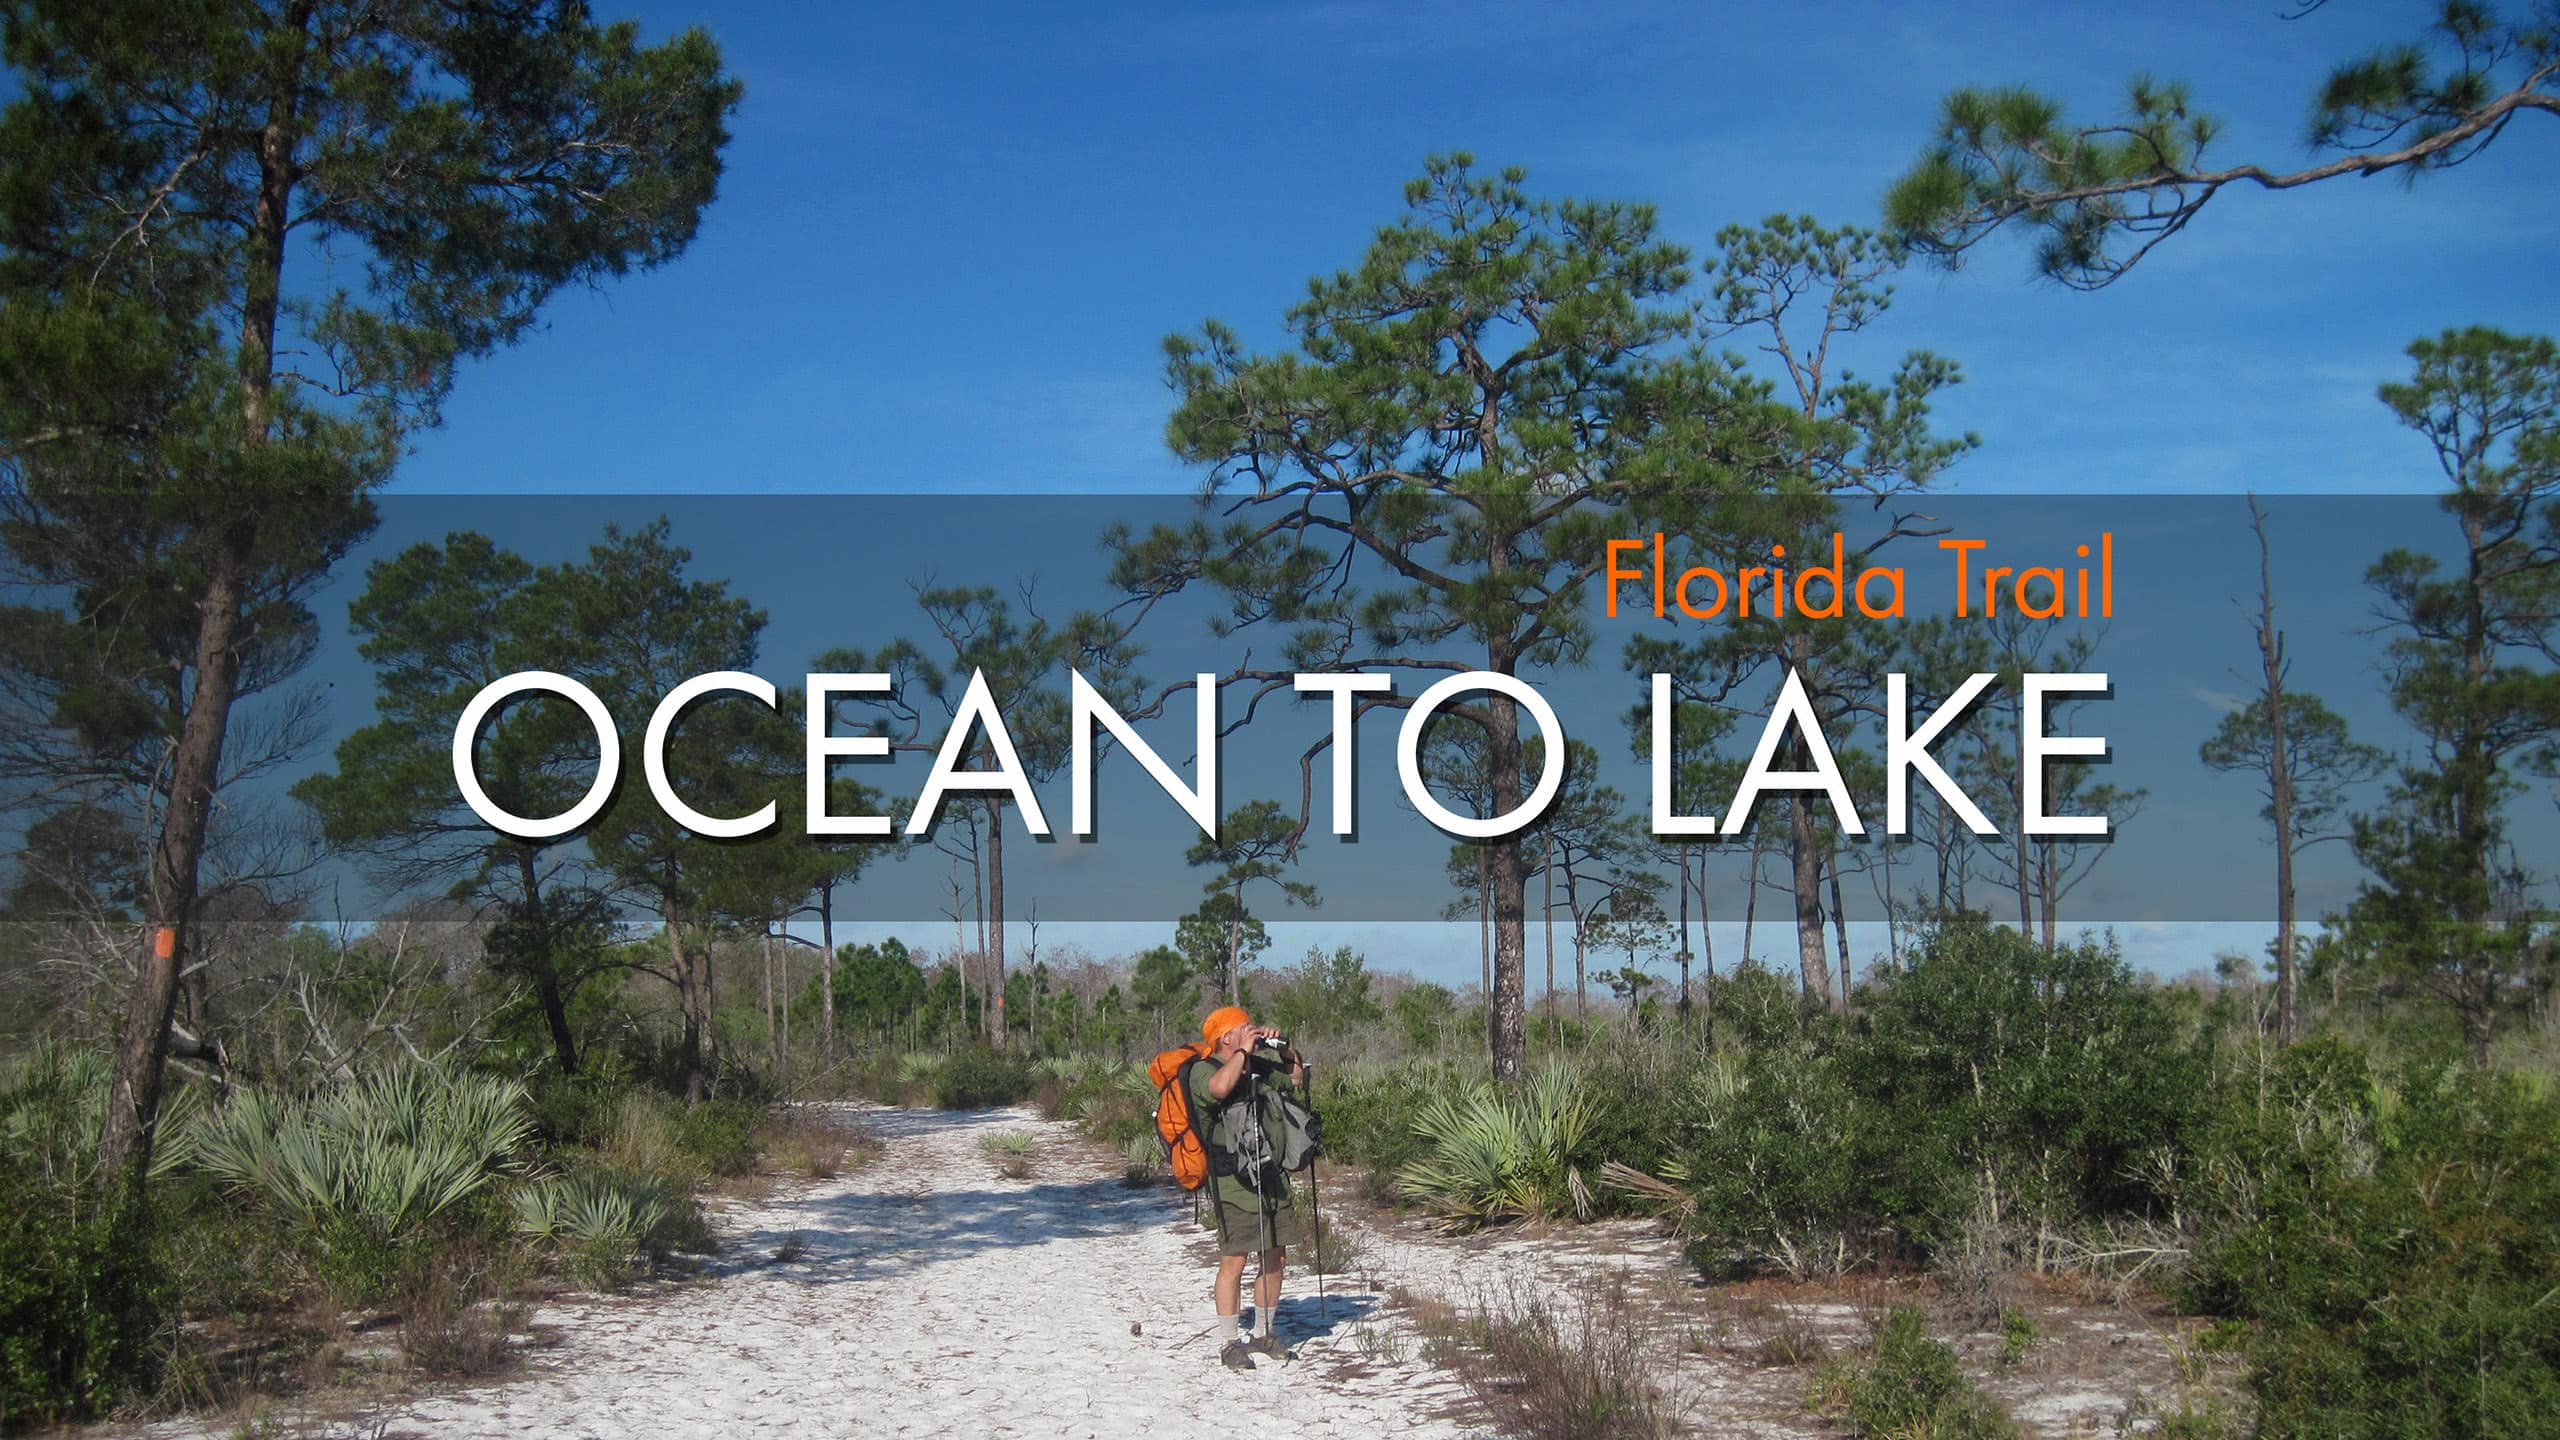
(1225, 1331)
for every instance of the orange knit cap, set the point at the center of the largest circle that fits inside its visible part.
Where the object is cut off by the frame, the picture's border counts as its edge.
(1222, 1020)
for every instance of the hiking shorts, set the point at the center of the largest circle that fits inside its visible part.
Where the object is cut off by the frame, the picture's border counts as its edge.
(1242, 1229)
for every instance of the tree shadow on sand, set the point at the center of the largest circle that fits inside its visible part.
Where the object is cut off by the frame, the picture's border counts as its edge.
(874, 1236)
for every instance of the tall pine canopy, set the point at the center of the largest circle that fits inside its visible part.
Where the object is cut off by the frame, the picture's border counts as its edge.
(243, 248)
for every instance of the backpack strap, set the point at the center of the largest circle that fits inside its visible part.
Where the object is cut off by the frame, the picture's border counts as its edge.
(1191, 1114)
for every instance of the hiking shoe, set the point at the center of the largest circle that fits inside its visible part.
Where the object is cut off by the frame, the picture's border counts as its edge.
(1236, 1356)
(1268, 1345)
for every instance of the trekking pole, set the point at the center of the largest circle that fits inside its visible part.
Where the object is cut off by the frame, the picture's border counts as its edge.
(1315, 1208)
(1261, 1197)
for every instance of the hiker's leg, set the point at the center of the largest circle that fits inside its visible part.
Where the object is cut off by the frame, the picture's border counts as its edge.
(1266, 1288)
(1227, 1292)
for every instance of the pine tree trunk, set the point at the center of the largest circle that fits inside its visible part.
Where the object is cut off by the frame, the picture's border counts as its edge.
(1707, 953)
(1681, 857)
(1548, 870)
(688, 1001)
(995, 920)
(2048, 893)
(1804, 842)
(1581, 989)
(1813, 951)
(1751, 895)
(142, 1045)
(1840, 924)
(827, 971)
(1235, 946)
(545, 961)
(1573, 910)
(1484, 930)
(1510, 1038)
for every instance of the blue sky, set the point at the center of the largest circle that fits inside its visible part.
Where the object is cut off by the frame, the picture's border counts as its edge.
(950, 241)
(949, 245)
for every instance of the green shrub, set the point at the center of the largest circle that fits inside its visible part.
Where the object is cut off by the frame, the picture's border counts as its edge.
(1146, 1161)
(720, 1135)
(647, 1139)
(1368, 1110)
(2054, 1070)
(581, 1109)
(1911, 1389)
(359, 1172)
(2396, 1243)
(1005, 1142)
(225, 1259)
(1058, 1082)
(1779, 1161)
(1641, 1095)
(1114, 1104)
(53, 1111)
(981, 1079)
(80, 1300)
(1983, 1065)
(80, 1293)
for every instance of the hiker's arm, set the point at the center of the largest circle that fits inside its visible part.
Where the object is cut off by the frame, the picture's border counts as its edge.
(1223, 1082)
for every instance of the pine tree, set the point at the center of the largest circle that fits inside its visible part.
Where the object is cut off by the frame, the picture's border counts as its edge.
(2104, 194)
(2446, 910)
(1431, 474)
(191, 426)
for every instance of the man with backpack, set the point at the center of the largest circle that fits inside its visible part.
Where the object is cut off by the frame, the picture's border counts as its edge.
(1246, 1092)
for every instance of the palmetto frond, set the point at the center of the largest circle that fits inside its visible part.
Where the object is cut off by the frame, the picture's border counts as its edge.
(397, 1148)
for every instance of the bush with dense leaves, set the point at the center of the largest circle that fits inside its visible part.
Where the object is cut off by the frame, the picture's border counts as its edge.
(601, 1222)
(1782, 1164)
(581, 1109)
(720, 1135)
(2398, 1243)
(2050, 1070)
(1115, 1104)
(1369, 1110)
(1984, 1062)
(1911, 1389)
(80, 1300)
(981, 1079)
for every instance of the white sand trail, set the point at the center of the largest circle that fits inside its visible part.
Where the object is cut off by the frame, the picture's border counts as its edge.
(932, 1296)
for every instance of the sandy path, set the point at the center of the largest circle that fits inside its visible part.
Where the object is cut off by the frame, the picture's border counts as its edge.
(926, 1294)
(934, 1297)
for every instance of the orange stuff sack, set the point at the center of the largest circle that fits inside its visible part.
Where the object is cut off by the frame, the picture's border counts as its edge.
(1176, 1126)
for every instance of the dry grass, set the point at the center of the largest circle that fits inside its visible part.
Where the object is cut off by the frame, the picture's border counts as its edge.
(1794, 1343)
(814, 1144)
(1581, 1368)
(451, 1336)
